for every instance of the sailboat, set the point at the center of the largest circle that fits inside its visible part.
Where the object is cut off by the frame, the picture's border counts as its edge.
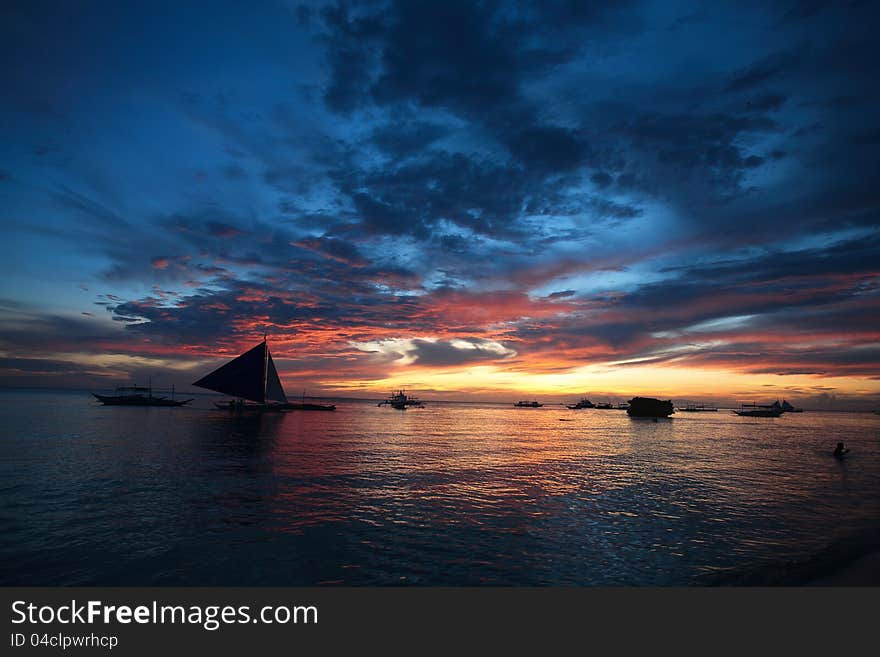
(253, 377)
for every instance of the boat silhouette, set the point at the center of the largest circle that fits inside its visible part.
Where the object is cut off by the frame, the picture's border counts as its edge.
(697, 408)
(760, 410)
(649, 407)
(138, 396)
(401, 401)
(252, 377)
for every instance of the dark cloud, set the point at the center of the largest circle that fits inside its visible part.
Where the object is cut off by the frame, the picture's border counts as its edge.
(406, 170)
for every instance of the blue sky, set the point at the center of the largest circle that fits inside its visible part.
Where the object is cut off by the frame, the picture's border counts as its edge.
(555, 184)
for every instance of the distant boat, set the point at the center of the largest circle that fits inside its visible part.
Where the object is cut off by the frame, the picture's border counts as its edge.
(760, 410)
(623, 407)
(698, 408)
(401, 401)
(649, 407)
(528, 404)
(788, 408)
(138, 396)
(583, 403)
(605, 406)
(250, 377)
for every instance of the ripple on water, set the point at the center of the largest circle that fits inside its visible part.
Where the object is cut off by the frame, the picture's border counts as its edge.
(450, 494)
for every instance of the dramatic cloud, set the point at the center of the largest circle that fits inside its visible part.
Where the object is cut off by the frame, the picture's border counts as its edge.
(481, 196)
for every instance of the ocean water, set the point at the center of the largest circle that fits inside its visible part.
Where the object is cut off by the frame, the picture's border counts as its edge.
(452, 494)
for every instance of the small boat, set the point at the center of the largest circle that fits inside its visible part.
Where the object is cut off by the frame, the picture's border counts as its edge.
(698, 408)
(650, 407)
(583, 403)
(138, 396)
(623, 407)
(249, 377)
(605, 406)
(760, 410)
(401, 401)
(528, 404)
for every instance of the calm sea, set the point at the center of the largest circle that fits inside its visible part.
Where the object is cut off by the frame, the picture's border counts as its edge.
(452, 494)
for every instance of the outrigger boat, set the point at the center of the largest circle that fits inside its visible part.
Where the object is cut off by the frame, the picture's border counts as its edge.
(698, 408)
(251, 377)
(138, 396)
(759, 410)
(401, 401)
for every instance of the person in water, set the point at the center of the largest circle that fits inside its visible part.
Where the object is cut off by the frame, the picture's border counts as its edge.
(840, 450)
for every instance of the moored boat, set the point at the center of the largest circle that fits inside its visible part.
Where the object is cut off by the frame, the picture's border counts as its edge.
(760, 410)
(583, 403)
(650, 407)
(138, 396)
(605, 406)
(528, 404)
(697, 408)
(401, 401)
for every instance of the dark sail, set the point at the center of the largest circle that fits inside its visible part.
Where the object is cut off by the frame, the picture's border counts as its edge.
(274, 390)
(242, 377)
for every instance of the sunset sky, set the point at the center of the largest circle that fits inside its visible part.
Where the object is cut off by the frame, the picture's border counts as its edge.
(470, 200)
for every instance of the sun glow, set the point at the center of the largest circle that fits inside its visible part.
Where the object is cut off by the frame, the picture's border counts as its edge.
(650, 380)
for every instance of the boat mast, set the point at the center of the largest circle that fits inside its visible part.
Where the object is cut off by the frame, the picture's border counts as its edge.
(265, 367)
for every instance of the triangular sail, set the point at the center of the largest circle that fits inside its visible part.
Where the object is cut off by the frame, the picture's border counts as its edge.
(241, 377)
(274, 389)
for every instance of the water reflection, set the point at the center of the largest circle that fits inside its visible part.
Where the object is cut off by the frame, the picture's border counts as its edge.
(445, 495)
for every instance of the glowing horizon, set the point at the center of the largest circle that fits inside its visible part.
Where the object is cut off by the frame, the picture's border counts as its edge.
(442, 197)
